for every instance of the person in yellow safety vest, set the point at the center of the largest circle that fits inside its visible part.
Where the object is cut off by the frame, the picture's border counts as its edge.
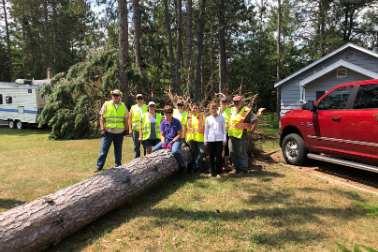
(241, 123)
(149, 128)
(225, 112)
(181, 115)
(136, 113)
(113, 122)
(195, 128)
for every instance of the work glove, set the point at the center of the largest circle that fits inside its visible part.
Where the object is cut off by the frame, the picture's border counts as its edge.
(224, 144)
(103, 133)
(164, 146)
(169, 147)
(205, 144)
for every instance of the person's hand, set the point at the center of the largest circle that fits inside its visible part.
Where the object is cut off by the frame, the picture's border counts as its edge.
(248, 135)
(205, 144)
(224, 144)
(103, 134)
(164, 146)
(130, 131)
(140, 138)
(169, 147)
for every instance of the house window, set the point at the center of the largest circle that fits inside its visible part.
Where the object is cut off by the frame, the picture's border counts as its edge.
(341, 73)
(349, 55)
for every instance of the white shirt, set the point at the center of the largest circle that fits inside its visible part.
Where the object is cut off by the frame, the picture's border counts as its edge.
(215, 129)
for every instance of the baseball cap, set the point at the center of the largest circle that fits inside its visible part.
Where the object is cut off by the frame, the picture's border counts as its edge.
(237, 98)
(116, 92)
(180, 102)
(223, 99)
(139, 95)
(151, 103)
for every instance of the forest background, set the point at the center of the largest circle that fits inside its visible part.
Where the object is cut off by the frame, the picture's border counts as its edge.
(151, 47)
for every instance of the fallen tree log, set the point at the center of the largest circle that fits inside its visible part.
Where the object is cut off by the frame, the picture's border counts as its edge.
(36, 225)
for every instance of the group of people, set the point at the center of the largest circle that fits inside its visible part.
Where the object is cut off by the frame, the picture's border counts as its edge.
(153, 131)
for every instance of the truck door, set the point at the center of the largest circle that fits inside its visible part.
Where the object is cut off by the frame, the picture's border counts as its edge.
(325, 128)
(361, 124)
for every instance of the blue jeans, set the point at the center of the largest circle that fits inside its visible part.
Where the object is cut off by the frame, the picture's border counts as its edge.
(239, 153)
(198, 149)
(107, 140)
(137, 143)
(175, 151)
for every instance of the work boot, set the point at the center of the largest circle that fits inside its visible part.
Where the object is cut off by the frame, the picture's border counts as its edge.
(96, 170)
(242, 174)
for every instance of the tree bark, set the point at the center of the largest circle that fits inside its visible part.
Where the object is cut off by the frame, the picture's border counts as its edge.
(189, 4)
(123, 49)
(278, 99)
(8, 42)
(212, 65)
(197, 76)
(47, 41)
(47, 220)
(170, 44)
(222, 52)
(178, 7)
(54, 36)
(137, 39)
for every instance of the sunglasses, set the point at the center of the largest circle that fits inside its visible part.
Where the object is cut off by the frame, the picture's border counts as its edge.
(236, 101)
(167, 113)
(139, 98)
(115, 95)
(152, 106)
(179, 105)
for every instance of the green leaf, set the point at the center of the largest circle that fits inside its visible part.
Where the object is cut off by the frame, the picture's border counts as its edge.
(342, 248)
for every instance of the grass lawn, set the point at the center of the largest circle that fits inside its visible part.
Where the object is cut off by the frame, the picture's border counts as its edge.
(278, 209)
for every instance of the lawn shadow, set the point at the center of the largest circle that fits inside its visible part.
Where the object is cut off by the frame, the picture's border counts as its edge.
(10, 203)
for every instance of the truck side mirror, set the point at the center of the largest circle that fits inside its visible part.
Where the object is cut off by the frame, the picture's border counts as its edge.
(309, 106)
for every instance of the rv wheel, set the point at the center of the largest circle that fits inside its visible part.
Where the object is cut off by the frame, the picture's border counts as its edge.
(19, 125)
(11, 124)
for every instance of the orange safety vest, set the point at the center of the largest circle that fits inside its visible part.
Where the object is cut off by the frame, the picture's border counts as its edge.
(236, 124)
(196, 128)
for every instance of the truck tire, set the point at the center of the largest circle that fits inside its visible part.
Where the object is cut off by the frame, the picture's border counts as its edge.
(294, 149)
(19, 125)
(11, 124)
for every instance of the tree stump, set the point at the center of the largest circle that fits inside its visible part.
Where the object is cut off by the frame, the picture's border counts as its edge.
(38, 224)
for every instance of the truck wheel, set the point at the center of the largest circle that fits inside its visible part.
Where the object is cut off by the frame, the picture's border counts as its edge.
(19, 125)
(11, 124)
(294, 149)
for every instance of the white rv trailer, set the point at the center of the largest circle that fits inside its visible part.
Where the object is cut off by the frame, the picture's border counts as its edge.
(21, 102)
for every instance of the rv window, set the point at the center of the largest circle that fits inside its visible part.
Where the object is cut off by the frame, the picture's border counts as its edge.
(30, 90)
(8, 99)
(1, 99)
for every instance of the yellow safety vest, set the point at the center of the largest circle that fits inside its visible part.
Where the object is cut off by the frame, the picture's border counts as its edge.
(196, 127)
(135, 120)
(114, 118)
(226, 115)
(180, 118)
(236, 123)
(146, 126)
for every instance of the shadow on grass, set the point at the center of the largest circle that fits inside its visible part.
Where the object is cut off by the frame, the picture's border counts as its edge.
(9, 203)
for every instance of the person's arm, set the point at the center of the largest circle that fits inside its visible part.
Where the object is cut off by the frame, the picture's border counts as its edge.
(224, 130)
(102, 122)
(254, 125)
(162, 137)
(183, 132)
(126, 121)
(130, 118)
(207, 128)
(177, 137)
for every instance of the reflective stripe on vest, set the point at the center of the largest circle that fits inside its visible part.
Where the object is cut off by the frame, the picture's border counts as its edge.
(236, 124)
(135, 120)
(195, 128)
(146, 126)
(114, 117)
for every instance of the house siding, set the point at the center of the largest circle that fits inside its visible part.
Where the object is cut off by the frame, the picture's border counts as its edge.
(290, 91)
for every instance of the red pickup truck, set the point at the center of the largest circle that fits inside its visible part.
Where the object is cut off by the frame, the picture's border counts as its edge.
(341, 127)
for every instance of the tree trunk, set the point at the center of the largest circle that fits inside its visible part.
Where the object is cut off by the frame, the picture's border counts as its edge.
(47, 42)
(8, 42)
(137, 39)
(54, 35)
(178, 7)
(278, 99)
(188, 35)
(123, 49)
(197, 76)
(170, 45)
(222, 52)
(47, 220)
(212, 65)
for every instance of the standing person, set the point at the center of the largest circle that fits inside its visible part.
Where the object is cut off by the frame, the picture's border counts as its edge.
(113, 122)
(215, 139)
(195, 136)
(241, 124)
(225, 112)
(134, 121)
(170, 136)
(149, 128)
(181, 115)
